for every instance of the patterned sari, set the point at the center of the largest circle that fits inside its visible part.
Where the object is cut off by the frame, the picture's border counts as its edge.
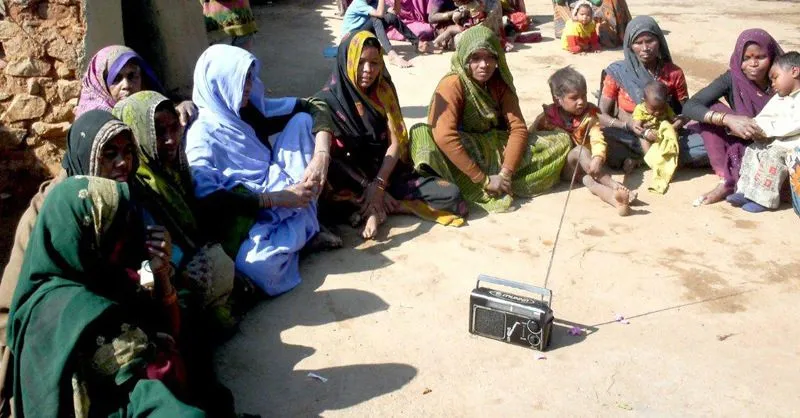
(484, 141)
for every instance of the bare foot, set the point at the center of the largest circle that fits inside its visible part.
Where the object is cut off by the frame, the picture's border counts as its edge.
(622, 196)
(629, 165)
(632, 194)
(718, 194)
(371, 227)
(398, 61)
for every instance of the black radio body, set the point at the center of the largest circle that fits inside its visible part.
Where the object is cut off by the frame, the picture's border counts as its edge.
(510, 318)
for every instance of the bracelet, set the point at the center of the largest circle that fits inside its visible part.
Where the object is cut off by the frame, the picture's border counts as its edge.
(504, 176)
(709, 116)
(646, 133)
(381, 183)
(265, 200)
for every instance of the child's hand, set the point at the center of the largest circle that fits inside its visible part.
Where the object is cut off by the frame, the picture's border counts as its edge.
(679, 121)
(596, 165)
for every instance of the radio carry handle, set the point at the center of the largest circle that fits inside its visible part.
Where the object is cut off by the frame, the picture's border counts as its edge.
(541, 291)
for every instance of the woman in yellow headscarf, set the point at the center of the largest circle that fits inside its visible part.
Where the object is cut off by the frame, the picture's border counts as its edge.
(371, 143)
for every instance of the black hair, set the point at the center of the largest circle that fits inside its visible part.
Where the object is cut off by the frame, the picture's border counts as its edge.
(657, 90)
(373, 42)
(565, 81)
(168, 106)
(591, 10)
(788, 60)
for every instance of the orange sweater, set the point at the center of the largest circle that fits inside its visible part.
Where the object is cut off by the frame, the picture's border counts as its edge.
(445, 115)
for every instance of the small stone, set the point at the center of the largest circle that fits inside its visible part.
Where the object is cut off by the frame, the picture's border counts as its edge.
(68, 89)
(33, 86)
(51, 130)
(20, 46)
(60, 113)
(57, 12)
(9, 30)
(59, 49)
(3, 64)
(24, 107)
(63, 70)
(11, 137)
(5, 95)
(28, 67)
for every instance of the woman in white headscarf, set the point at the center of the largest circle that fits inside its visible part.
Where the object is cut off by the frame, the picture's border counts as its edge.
(258, 166)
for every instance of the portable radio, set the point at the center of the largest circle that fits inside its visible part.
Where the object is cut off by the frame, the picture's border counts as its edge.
(510, 318)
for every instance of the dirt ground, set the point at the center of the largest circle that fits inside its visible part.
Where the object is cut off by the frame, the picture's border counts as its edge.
(711, 292)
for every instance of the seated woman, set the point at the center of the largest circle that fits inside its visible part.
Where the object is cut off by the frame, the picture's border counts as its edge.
(451, 17)
(163, 185)
(371, 143)
(726, 130)
(647, 58)
(96, 134)
(116, 72)
(477, 137)
(257, 166)
(414, 13)
(612, 18)
(80, 328)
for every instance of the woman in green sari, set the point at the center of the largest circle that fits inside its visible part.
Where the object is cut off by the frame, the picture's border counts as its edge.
(163, 186)
(79, 331)
(477, 137)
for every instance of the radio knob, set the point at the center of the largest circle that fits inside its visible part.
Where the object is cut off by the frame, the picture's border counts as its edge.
(533, 326)
(533, 340)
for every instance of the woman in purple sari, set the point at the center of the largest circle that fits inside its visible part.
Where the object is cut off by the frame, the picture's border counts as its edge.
(727, 130)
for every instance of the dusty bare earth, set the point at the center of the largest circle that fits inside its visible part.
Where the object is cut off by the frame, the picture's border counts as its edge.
(711, 292)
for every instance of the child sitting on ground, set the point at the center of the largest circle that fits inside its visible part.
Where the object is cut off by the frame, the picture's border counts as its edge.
(653, 121)
(765, 164)
(580, 33)
(571, 112)
(468, 13)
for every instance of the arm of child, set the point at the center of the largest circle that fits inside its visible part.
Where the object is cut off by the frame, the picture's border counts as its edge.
(638, 118)
(573, 44)
(379, 10)
(599, 148)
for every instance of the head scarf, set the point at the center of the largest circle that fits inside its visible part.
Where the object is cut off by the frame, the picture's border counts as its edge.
(85, 141)
(478, 99)
(577, 6)
(748, 98)
(223, 150)
(362, 119)
(103, 69)
(630, 72)
(58, 296)
(165, 190)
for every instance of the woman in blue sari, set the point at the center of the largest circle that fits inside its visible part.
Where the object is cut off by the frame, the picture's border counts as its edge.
(258, 165)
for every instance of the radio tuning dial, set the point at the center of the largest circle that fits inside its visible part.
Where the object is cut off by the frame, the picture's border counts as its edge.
(533, 326)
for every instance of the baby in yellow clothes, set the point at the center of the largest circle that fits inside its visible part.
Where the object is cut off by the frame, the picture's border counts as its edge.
(653, 122)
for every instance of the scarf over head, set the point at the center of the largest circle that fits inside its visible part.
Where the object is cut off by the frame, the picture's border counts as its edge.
(85, 141)
(478, 99)
(362, 119)
(630, 72)
(65, 285)
(166, 190)
(748, 98)
(103, 69)
(223, 150)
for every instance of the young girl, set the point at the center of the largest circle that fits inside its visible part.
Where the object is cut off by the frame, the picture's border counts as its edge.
(580, 34)
(571, 112)
(653, 120)
(765, 161)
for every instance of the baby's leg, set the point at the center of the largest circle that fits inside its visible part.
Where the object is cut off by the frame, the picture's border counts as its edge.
(603, 186)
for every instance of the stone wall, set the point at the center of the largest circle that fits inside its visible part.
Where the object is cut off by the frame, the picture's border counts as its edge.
(41, 54)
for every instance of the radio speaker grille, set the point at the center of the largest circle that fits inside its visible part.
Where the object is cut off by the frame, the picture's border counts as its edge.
(490, 323)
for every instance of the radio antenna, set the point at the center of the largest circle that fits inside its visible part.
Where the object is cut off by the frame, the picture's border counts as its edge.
(564, 211)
